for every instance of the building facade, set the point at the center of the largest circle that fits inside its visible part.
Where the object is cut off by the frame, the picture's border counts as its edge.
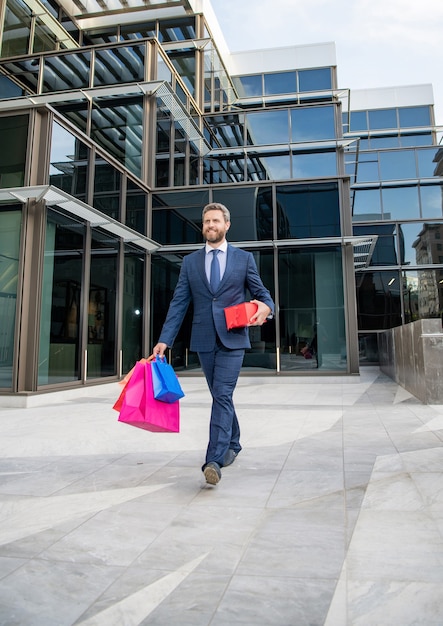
(119, 123)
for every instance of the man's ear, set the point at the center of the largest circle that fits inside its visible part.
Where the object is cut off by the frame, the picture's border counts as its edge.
(227, 225)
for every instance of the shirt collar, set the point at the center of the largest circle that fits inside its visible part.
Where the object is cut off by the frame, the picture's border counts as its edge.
(223, 247)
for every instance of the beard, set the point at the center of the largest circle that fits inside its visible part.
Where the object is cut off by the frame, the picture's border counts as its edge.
(214, 236)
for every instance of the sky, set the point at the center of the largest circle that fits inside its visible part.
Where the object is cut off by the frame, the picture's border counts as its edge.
(378, 43)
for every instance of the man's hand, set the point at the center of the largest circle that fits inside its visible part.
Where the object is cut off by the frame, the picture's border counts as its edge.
(263, 311)
(158, 350)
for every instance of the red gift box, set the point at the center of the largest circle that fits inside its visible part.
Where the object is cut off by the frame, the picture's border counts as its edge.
(239, 315)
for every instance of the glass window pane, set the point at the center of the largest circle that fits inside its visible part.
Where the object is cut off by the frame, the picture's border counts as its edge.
(397, 165)
(428, 162)
(416, 139)
(385, 251)
(16, 29)
(423, 294)
(311, 316)
(133, 287)
(248, 86)
(66, 71)
(269, 167)
(414, 116)
(313, 123)
(280, 82)
(107, 184)
(68, 162)
(378, 300)
(367, 171)
(431, 197)
(44, 39)
(59, 358)
(122, 64)
(314, 80)
(267, 127)
(102, 306)
(390, 141)
(228, 130)
(400, 203)
(421, 243)
(314, 164)
(367, 205)
(359, 120)
(382, 118)
(248, 208)
(177, 217)
(117, 125)
(14, 135)
(10, 228)
(136, 208)
(308, 211)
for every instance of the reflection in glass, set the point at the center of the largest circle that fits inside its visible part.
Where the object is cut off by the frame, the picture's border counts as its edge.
(385, 251)
(397, 165)
(250, 212)
(428, 160)
(59, 358)
(423, 242)
(10, 227)
(66, 71)
(400, 203)
(414, 116)
(68, 162)
(312, 317)
(122, 64)
(314, 164)
(249, 86)
(107, 183)
(177, 218)
(267, 127)
(133, 287)
(367, 205)
(431, 197)
(102, 304)
(16, 29)
(308, 211)
(423, 294)
(14, 135)
(378, 300)
(382, 118)
(136, 208)
(313, 123)
(315, 80)
(280, 82)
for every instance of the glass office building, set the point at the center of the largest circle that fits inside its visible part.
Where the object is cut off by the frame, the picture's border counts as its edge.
(119, 122)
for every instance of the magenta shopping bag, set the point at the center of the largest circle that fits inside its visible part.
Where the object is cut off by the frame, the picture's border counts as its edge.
(139, 407)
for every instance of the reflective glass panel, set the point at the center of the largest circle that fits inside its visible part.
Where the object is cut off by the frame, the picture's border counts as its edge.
(184, 63)
(177, 217)
(397, 165)
(382, 118)
(133, 286)
(8, 89)
(400, 203)
(59, 355)
(312, 317)
(367, 170)
(14, 135)
(267, 127)
(431, 197)
(10, 228)
(414, 116)
(314, 164)
(422, 294)
(249, 86)
(378, 300)
(122, 64)
(388, 141)
(385, 251)
(308, 211)
(102, 305)
(269, 167)
(44, 39)
(280, 82)
(117, 126)
(359, 120)
(68, 162)
(177, 30)
(107, 183)
(429, 162)
(367, 205)
(66, 71)
(136, 208)
(313, 123)
(16, 29)
(227, 130)
(75, 111)
(314, 80)
(422, 243)
(250, 207)
(416, 139)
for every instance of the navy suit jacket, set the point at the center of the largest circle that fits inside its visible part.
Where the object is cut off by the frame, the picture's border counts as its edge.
(209, 318)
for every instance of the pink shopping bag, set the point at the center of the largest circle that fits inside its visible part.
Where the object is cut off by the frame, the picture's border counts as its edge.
(139, 407)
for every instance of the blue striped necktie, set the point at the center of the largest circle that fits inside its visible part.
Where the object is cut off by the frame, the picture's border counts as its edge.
(215, 270)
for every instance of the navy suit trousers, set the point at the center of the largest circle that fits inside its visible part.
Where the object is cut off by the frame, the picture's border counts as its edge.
(221, 368)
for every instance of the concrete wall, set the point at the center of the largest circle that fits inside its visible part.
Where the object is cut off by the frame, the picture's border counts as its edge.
(412, 355)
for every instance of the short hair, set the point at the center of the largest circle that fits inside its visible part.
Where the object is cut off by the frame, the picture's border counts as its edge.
(216, 206)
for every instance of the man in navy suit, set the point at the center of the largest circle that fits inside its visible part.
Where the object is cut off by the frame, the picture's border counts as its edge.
(220, 351)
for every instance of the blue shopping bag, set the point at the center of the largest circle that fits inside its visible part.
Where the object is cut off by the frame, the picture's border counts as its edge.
(165, 382)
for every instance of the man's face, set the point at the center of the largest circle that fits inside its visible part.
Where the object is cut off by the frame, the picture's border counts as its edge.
(214, 226)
